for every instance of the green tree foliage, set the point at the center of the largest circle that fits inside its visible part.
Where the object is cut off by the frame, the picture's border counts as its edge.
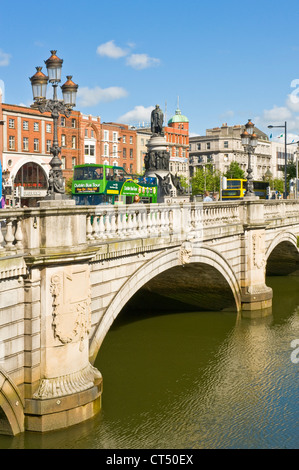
(205, 179)
(68, 186)
(235, 171)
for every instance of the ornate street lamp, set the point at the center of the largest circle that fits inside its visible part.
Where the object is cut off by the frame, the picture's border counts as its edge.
(249, 142)
(56, 107)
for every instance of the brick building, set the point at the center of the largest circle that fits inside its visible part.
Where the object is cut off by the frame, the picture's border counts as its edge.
(119, 146)
(26, 136)
(177, 137)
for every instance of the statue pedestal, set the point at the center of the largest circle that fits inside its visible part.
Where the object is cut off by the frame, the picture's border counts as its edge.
(157, 165)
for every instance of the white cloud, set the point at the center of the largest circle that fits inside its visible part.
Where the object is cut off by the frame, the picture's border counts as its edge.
(109, 49)
(141, 61)
(4, 58)
(93, 96)
(138, 114)
(277, 114)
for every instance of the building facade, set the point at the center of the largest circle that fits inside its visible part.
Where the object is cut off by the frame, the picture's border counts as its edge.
(119, 146)
(177, 137)
(222, 145)
(26, 137)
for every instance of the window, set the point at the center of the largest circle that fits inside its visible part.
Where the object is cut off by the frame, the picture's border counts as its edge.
(63, 140)
(124, 139)
(198, 146)
(92, 133)
(25, 125)
(106, 135)
(73, 123)
(36, 145)
(63, 163)
(31, 176)
(73, 142)
(89, 149)
(25, 144)
(124, 153)
(62, 122)
(208, 145)
(11, 142)
(131, 153)
(11, 124)
(36, 126)
(131, 139)
(48, 146)
(226, 144)
(86, 132)
(73, 161)
(115, 151)
(114, 136)
(48, 128)
(106, 150)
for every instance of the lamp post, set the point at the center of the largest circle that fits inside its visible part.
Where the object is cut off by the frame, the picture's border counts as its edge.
(285, 156)
(56, 107)
(249, 142)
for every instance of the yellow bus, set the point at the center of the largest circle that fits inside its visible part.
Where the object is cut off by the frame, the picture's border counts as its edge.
(236, 189)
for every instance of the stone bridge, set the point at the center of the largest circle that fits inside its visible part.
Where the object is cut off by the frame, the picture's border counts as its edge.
(66, 272)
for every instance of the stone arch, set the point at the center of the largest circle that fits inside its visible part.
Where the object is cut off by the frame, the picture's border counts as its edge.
(162, 262)
(282, 237)
(282, 254)
(11, 407)
(29, 159)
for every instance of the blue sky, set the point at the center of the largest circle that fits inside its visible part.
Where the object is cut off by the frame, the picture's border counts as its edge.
(226, 61)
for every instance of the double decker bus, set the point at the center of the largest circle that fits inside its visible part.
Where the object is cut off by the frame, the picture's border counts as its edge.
(236, 189)
(105, 184)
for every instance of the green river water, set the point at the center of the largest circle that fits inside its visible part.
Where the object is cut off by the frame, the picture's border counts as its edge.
(193, 380)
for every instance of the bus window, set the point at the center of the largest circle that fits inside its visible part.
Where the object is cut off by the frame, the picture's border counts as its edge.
(119, 174)
(78, 174)
(98, 173)
(109, 174)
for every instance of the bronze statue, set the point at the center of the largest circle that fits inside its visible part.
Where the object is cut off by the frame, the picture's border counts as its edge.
(157, 120)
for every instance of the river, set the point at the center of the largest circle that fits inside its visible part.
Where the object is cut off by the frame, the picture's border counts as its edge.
(193, 380)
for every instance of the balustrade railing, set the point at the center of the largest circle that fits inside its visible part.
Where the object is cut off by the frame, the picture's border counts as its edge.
(104, 223)
(11, 234)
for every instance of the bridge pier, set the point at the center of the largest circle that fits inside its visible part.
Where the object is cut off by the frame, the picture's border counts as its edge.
(64, 388)
(256, 296)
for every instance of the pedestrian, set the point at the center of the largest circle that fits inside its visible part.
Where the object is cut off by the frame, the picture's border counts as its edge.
(207, 197)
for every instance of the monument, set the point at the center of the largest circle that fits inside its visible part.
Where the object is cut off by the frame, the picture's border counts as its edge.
(157, 158)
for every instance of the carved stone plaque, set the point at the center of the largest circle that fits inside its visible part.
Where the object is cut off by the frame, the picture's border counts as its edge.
(71, 305)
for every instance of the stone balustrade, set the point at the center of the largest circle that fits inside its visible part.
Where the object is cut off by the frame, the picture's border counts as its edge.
(21, 228)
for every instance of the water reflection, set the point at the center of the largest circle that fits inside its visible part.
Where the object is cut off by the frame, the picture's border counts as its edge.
(194, 380)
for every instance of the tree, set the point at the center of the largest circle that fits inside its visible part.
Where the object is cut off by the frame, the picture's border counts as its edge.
(205, 179)
(68, 186)
(235, 171)
(291, 173)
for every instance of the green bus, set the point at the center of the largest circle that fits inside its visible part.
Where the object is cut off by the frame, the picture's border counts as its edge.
(105, 184)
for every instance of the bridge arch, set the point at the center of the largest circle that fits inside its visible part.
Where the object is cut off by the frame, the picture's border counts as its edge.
(11, 407)
(162, 262)
(282, 254)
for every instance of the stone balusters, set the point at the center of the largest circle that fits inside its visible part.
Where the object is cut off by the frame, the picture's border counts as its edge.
(11, 235)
